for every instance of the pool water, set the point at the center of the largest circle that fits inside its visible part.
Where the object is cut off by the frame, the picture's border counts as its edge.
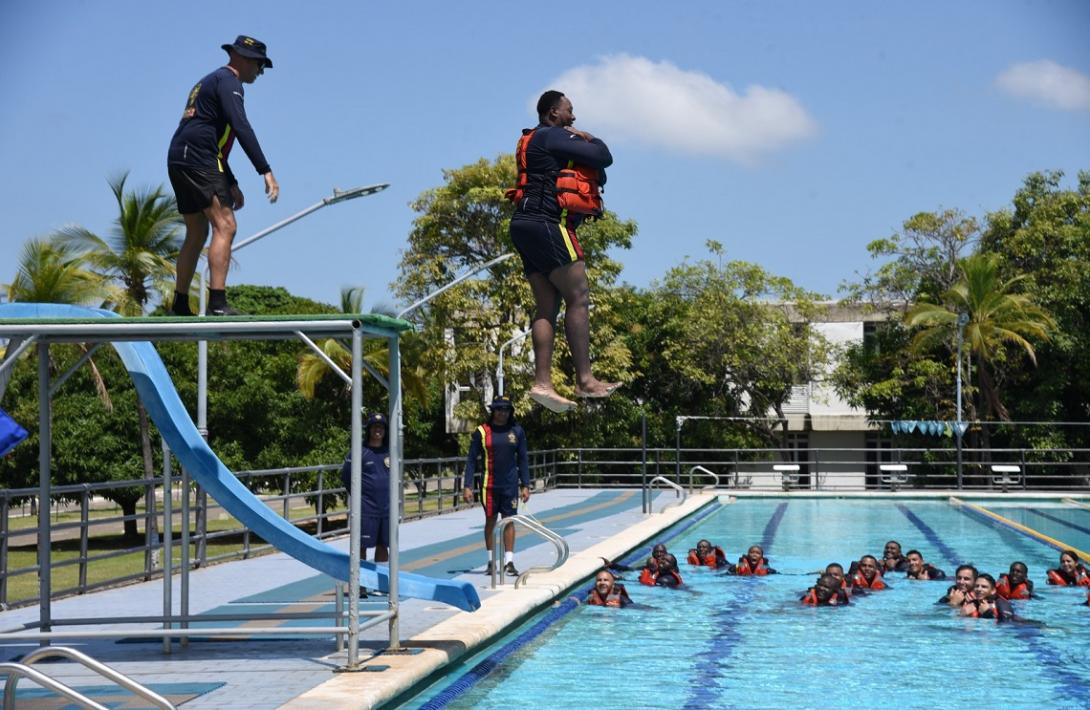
(749, 643)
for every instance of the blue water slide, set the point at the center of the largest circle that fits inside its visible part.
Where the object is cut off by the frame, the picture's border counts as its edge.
(166, 409)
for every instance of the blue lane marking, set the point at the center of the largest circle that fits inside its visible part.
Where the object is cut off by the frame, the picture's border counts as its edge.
(471, 677)
(1061, 521)
(931, 535)
(1069, 683)
(727, 637)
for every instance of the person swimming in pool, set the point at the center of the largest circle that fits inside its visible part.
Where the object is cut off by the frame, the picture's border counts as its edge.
(962, 589)
(1015, 584)
(753, 564)
(866, 574)
(986, 604)
(665, 573)
(705, 554)
(892, 559)
(836, 570)
(918, 569)
(827, 592)
(607, 591)
(651, 563)
(1070, 573)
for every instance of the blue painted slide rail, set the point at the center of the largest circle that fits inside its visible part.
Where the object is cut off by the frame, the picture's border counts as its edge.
(157, 392)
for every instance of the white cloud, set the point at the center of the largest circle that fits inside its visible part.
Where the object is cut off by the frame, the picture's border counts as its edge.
(1048, 83)
(658, 104)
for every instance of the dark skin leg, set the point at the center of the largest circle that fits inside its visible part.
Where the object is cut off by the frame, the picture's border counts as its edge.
(569, 283)
(508, 534)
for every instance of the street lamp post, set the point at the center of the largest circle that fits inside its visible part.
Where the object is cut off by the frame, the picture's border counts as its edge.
(499, 367)
(963, 320)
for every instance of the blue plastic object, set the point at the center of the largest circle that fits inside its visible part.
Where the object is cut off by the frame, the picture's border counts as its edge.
(10, 433)
(166, 409)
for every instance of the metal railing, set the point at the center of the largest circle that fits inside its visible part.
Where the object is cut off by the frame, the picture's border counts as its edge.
(532, 525)
(23, 669)
(670, 484)
(706, 472)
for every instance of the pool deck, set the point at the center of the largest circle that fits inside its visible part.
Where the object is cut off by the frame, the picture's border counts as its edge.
(300, 672)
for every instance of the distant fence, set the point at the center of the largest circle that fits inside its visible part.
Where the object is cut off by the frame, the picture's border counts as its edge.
(87, 532)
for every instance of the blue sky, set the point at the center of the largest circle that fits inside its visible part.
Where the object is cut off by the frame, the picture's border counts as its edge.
(792, 132)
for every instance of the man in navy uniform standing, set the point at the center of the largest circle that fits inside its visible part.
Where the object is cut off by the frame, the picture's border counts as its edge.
(204, 186)
(504, 475)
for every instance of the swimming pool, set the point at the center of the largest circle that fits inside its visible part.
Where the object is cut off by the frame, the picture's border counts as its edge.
(748, 643)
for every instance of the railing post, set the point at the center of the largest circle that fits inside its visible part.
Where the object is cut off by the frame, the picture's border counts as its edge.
(1022, 462)
(321, 502)
(579, 478)
(5, 510)
(202, 526)
(817, 469)
(149, 543)
(84, 523)
(287, 496)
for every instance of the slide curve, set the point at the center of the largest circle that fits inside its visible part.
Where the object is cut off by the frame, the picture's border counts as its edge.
(160, 398)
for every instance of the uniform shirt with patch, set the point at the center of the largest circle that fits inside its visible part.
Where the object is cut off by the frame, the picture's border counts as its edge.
(374, 480)
(505, 462)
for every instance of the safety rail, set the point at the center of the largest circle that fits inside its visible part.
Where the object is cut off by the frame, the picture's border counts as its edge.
(667, 482)
(532, 525)
(701, 469)
(23, 669)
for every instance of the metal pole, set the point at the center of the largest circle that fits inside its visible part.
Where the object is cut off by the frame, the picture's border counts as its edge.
(45, 446)
(677, 452)
(396, 482)
(354, 504)
(643, 457)
(168, 543)
(405, 311)
(963, 318)
(184, 563)
(499, 367)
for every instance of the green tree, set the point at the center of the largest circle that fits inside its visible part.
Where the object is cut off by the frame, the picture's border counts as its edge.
(52, 272)
(997, 319)
(1045, 235)
(137, 259)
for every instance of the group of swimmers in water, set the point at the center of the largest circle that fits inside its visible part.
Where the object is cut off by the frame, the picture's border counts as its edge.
(974, 593)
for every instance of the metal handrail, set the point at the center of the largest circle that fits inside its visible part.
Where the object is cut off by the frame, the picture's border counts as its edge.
(714, 476)
(671, 484)
(532, 525)
(86, 661)
(18, 670)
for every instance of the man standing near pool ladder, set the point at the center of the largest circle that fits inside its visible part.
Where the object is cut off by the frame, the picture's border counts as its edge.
(503, 478)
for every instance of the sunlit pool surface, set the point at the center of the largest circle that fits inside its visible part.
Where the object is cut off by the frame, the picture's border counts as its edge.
(748, 643)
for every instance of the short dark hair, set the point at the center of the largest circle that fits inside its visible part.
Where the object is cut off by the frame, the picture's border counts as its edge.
(832, 565)
(548, 101)
(914, 552)
(991, 579)
(968, 567)
(1021, 564)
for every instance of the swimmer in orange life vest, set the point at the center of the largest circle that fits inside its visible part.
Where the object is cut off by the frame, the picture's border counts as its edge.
(657, 552)
(1015, 584)
(865, 574)
(607, 591)
(892, 559)
(985, 604)
(836, 571)
(918, 569)
(1070, 573)
(664, 575)
(753, 564)
(707, 555)
(827, 592)
(962, 589)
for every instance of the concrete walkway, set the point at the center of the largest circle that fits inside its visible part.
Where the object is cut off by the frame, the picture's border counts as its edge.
(298, 672)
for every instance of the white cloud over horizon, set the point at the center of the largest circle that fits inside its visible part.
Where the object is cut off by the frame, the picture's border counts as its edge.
(1048, 83)
(660, 105)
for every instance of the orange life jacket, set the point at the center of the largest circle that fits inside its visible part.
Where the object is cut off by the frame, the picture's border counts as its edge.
(710, 560)
(616, 598)
(973, 612)
(577, 188)
(650, 578)
(742, 569)
(1003, 589)
(858, 580)
(810, 598)
(1082, 579)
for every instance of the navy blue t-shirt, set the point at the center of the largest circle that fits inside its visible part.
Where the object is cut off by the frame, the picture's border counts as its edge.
(214, 117)
(374, 480)
(505, 462)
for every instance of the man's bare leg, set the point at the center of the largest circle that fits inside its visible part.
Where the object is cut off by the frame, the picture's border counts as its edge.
(196, 233)
(543, 334)
(571, 282)
(224, 227)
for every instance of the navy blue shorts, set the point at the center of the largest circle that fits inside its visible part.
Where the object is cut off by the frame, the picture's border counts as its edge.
(374, 530)
(193, 188)
(500, 501)
(543, 246)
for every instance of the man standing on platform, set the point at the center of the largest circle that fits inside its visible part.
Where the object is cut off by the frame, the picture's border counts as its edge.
(206, 189)
(504, 475)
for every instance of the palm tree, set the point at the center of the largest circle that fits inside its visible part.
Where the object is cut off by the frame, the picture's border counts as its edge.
(376, 357)
(138, 258)
(50, 272)
(998, 318)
